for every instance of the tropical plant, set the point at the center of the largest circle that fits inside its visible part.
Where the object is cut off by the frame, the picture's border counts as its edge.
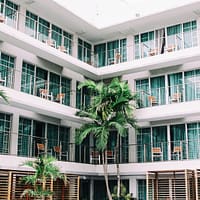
(3, 96)
(111, 108)
(123, 193)
(44, 169)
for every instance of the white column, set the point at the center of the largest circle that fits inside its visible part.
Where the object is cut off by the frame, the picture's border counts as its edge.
(14, 134)
(73, 93)
(72, 144)
(18, 73)
(132, 145)
(75, 46)
(22, 19)
(91, 189)
(133, 186)
(130, 48)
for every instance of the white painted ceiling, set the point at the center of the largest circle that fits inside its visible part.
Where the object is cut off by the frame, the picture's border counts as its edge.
(105, 13)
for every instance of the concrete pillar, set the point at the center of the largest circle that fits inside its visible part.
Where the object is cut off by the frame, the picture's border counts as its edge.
(72, 144)
(73, 94)
(132, 146)
(133, 186)
(17, 73)
(14, 135)
(91, 189)
(75, 46)
(130, 48)
(21, 19)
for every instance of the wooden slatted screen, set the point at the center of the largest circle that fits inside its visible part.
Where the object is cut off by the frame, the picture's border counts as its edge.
(4, 185)
(11, 186)
(198, 183)
(176, 185)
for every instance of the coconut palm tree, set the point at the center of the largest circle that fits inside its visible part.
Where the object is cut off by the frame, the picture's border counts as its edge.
(44, 169)
(110, 108)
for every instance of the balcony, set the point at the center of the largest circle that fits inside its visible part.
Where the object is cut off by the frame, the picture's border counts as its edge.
(30, 146)
(58, 91)
(115, 56)
(188, 91)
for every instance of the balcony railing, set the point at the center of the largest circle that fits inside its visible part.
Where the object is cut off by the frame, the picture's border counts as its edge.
(60, 93)
(157, 46)
(6, 74)
(188, 91)
(28, 146)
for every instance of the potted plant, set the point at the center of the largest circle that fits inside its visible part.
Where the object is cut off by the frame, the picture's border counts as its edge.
(123, 193)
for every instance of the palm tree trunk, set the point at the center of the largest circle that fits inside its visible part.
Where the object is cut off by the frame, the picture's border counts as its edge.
(118, 181)
(105, 169)
(43, 185)
(117, 166)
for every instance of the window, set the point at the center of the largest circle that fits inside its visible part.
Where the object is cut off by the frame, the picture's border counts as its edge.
(178, 140)
(44, 30)
(66, 89)
(144, 145)
(174, 36)
(175, 84)
(32, 132)
(54, 84)
(142, 89)
(34, 79)
(143, 44)
(68, 42)
(137, 46)
(159, 139)
(158, 89)
(10, 11)
(147, 43)
(56, 35)
(123, 50)
(5, 128)
(192, 85)
(64, 137)
(82, 97)
(7, 69)
(41, 80)
(193, 140)
(100, 55)
(31, 24)
(27, 79)
(84, 51)
(112, 52)
(24, 137)
(190, 34)
(116, 51)
(52, 136)
(141, 189)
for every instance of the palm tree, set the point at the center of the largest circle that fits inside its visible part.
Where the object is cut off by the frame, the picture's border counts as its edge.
(3, 96)
(44, 169)
(110, 108)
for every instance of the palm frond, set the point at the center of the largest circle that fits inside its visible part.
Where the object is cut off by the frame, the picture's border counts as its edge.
(110, 108)
(3, 95)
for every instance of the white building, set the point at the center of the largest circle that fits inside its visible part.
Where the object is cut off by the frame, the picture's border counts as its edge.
(46, 50)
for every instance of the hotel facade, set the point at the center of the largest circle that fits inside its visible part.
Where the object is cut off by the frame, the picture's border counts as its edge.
(46, 51)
